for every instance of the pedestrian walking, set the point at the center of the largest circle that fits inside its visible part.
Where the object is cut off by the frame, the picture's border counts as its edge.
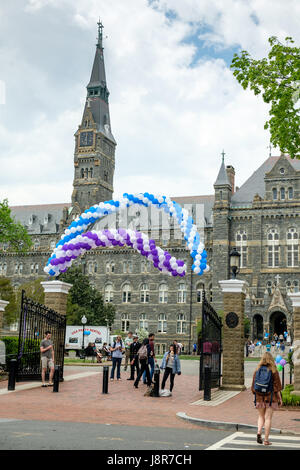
(144, 353)
(128, 341)
(151, 359)
(134, 360)
(171, 365)
(47, 358)
(194, 349)
(117, 352)
(266, 387)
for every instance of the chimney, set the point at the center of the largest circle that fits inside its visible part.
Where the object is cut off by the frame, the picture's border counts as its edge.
(230, 174)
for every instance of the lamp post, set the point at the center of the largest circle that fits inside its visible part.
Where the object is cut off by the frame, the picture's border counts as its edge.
(235, 259)
(83, 322)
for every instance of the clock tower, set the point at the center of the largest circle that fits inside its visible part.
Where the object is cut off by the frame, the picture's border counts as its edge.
(94, 157)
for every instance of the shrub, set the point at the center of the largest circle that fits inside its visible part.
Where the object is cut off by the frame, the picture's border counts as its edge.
(288, 399)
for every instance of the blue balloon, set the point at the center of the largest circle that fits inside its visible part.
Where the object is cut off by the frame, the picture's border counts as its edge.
(278, 359)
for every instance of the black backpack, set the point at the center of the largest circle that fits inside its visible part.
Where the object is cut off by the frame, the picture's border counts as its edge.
(263, 382)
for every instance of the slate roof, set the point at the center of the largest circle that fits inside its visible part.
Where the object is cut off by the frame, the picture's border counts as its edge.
(222, 178)
(256, 183)
(206, 200)
(45, 217)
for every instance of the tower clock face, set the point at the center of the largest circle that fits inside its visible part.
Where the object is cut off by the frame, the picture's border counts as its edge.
(86, 139)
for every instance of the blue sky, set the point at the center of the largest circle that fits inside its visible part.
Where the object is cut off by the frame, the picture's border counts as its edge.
(174, 102)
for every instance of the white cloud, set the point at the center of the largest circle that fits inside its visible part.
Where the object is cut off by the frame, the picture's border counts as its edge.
(171, 121)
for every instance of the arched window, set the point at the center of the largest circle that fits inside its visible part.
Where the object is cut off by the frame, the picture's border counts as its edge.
(36, 244)
(109, 267)
(145, 266)
(162, 323)
(291, 193)
(163, 293)
(181, 295)
(126, 293)
(125, 322)
(200, 291)
(82, 173)
(273, 248)
(127, 266)
(36, 268)
(292, 248)
(241, 244)
(108, 293)
(143, 321)
(269, 287)
(292, 286)
(52, 245)
(91, 172)
(86, 172)
(282, 193)
(181, 323)
(274, 191)
(144, 293)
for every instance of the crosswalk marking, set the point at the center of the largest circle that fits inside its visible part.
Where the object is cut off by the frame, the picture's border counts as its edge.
(243, 441)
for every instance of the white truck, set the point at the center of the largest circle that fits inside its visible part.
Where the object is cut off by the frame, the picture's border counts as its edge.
(92, 334)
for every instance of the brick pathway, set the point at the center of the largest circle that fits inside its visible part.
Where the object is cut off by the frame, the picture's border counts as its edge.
(82, 401)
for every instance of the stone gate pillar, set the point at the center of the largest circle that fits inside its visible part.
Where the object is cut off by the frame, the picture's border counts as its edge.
(295, 298)
(3, 304)
(56, 295)
(234, 293)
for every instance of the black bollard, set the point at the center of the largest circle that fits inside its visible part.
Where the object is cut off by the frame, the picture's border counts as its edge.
(105, 379)
(282, 378)
(156, 382)
(56, 379)
(207, 383)
(12, 374)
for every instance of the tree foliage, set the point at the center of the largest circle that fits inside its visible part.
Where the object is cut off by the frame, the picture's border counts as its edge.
(11, 313)
(33, 289)
(277, 77)
(83, 299)
(12, 232)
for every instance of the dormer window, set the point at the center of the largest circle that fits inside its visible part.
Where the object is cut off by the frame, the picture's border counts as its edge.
(46, 219)
(31, 219)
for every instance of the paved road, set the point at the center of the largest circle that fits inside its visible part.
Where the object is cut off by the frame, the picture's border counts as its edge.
(45, 435)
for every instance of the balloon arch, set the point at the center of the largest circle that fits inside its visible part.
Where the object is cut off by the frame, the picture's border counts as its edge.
(75, 241)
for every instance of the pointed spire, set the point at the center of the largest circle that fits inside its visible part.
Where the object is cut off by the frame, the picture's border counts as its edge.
(222, 178)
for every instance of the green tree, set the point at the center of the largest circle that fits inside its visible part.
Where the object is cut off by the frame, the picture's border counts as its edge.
(12, 232)
(85, 300)
(33, 290)
(7, 293)
(278, 77)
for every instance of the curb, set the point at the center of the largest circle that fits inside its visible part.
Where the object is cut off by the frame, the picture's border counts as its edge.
(228, 426)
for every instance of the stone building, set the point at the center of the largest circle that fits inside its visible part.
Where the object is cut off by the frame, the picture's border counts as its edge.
(260, 218)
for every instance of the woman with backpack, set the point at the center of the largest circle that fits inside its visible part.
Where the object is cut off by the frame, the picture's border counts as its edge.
(143, 355)
(171, 364)
(266, 387)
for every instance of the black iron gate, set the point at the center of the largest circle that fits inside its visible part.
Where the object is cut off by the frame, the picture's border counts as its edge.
(210, 344)
(35, 320)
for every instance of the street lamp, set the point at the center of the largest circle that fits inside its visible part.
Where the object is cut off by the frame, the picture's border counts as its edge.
(234, 258)
(83, 322)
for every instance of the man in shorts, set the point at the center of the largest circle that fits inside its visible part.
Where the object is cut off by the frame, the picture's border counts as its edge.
(47, 356)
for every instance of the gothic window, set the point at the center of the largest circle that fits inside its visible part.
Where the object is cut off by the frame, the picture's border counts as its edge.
(52, 245)
(143, 321)
(273, 248)
(292, 248)
(91, 172)
(291, 193)
(241, 244)
(108, 293)
(292, 286)
(162, 323)
(127, 267)
(282, 193)
(36, 268)
(181, 323)
(126, 293)
(200, 290)
(36, 245)
(144, 293)
(274, 191)
(109, 267)
(86, 172)
(181, 295)
(145, 266)
(163, 293)
(82, 173)
(125, 322)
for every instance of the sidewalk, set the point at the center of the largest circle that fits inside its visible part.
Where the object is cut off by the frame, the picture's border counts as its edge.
(81, 400)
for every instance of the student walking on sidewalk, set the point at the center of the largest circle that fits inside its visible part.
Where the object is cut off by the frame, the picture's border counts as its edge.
(266, 387)
(171, 364)
(117, 350)
(144, 353)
